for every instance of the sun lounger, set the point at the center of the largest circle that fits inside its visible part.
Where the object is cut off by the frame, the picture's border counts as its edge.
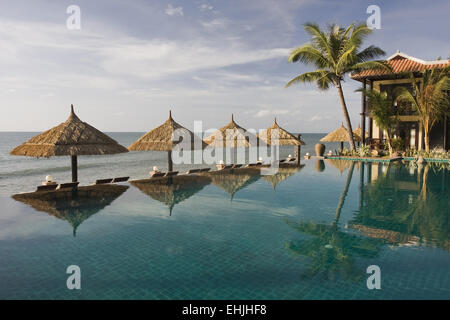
(157, 174)
(282, 160)
(190, 171)
(47, 187)
(227, 167)
(251, 165)
(205, 169)
(103, 181)
(292, 160)
(171, 174)
(235, 166)
(69, 185)
(120, 179)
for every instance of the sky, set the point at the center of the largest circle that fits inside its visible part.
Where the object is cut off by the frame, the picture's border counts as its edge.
(133, 61)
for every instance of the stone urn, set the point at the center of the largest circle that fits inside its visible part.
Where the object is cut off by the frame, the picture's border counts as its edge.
(320, 149)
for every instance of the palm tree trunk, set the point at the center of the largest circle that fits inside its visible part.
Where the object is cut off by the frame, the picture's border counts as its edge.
(344, 194)
(426, 133)
(346, 116)
(388, 139)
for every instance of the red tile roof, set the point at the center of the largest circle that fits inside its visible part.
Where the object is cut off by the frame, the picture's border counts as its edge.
(401, 62)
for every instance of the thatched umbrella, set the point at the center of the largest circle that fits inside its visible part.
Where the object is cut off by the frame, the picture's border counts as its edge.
(285, 138)
(231, 135)
(173, 190)
(282, 174)
(339, 135)
(358, 133)
(73, 207)
(71, 138)
(234, 181)
(162, 139)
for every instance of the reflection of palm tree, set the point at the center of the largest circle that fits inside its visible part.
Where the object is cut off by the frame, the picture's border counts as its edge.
(331, 250)
(403, 209)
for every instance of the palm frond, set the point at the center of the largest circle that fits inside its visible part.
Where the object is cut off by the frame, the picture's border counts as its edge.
(369, 53)
(308, 55)
(312, 76)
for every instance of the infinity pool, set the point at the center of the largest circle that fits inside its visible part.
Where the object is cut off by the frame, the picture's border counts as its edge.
(304, 233)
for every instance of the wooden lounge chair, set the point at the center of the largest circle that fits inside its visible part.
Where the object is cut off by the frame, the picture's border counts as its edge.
(190, 171)
(47, 187)
(171, 173)
(103, 181)
(235, 166)
(250, 165)
(157, 175)
(292, 160)
(120, 179)
(282, 160)
(68, 185)
(205, 169)
(227, 167)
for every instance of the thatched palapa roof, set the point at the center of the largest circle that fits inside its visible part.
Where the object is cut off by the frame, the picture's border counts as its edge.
(339, 135)
(73, 207)
(174, 190)
(284, 137)
(358, 132)
(162, 138)
(231, 135)
(71, 138)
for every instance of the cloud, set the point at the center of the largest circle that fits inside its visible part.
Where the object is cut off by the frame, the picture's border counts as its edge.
(219, 23)
(171, 11)
(205, 7)
(275, 112)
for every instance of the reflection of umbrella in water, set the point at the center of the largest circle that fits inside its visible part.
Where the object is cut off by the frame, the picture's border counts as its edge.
(235, 181)
(71, 138)
(73, 206)
(341, 165)
(173, 190)
(282, 174)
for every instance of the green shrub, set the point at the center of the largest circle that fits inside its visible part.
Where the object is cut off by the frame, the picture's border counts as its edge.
(397, 144)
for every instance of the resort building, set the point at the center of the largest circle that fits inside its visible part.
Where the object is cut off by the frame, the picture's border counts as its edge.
(409, 127)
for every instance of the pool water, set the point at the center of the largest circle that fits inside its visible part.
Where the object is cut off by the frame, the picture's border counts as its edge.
(306, 233)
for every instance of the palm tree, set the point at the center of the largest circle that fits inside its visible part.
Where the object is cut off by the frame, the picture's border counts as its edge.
(336, 53)
(383, 112)
(331, 250)
(429, 97)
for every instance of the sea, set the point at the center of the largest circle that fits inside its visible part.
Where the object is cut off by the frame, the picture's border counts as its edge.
(23, 174)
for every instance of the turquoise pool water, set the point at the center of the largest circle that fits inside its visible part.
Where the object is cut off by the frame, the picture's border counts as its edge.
(302, 234)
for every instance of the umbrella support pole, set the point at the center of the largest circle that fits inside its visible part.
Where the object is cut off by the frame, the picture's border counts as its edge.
(342, 145)
(74, 169)
(169, 158)
(297, 154)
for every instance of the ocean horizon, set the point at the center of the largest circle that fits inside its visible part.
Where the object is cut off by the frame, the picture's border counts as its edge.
(22, 174)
